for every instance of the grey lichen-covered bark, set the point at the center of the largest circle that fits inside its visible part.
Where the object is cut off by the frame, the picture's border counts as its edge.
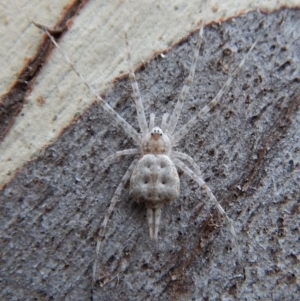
(248, 149)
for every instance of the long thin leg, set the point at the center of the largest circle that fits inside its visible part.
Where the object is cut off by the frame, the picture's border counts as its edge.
(153, 221)
(150, 221)
(110, 159)
(152, 121)
(136, 91)
(125, 125)
(186, 157)
(192, 122)
(157, 215)
(164, 122)
(188, 82)
(112, 205)
(212, 198)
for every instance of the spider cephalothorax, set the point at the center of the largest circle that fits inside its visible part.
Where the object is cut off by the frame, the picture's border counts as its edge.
(156, 142)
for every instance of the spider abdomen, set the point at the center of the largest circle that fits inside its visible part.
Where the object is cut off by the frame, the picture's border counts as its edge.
(154, 180)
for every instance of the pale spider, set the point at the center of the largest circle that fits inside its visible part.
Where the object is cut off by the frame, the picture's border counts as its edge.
(153, 175)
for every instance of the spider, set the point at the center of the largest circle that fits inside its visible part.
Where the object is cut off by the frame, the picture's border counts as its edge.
(153, 174)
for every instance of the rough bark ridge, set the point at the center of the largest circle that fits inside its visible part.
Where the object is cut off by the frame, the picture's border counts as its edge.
(248, 149)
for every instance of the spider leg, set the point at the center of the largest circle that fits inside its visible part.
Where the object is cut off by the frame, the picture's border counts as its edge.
(194, 120)
(110, 159)
(112, 205)
(186, 157)
(157, 215)
(150, 221)
(187, 84)
(120, 120)
(153, 218)
(136, 91)
(212, 198)
(152, 121)
(164, 122)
